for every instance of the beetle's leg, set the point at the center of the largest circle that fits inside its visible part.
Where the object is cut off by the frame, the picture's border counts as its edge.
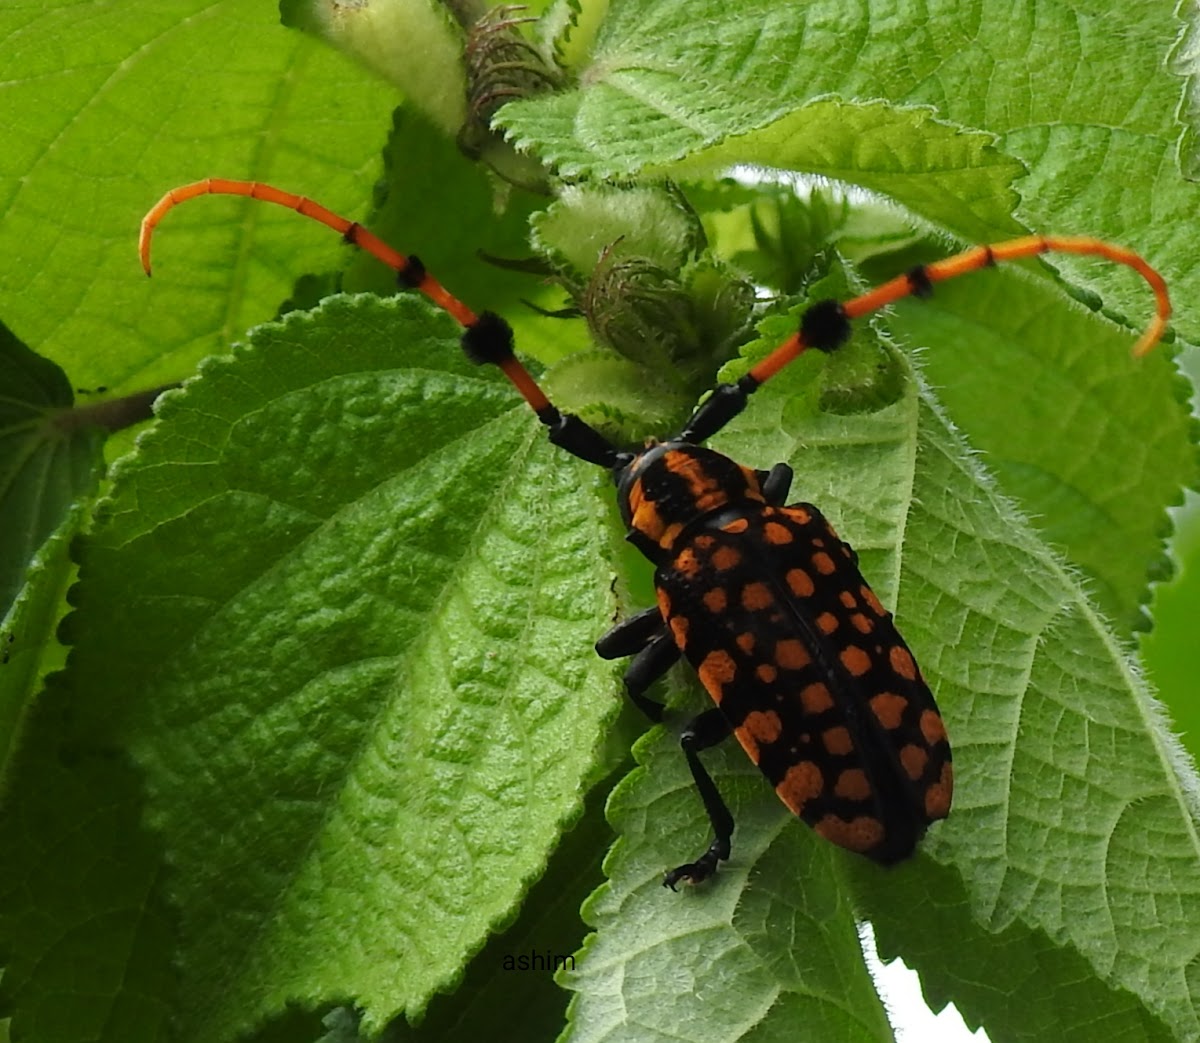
(703, 731)
(776, 483)
(631, 635)
(656, 652)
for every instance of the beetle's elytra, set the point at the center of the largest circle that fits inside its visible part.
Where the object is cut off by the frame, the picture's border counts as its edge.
(804, 665)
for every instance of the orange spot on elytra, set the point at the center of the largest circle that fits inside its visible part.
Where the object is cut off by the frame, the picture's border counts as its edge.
(736, 526)
(937, 796)
(888, 708)
(726, 558)
(855, 660)
(798, 514)
(764, 725)
(847, 599)
(766, 673)
(799, 583)
(715, 601)
(868, 595)
(837, 741)
(802, 782)
(933, 727)
(853, 785)
(746, 642)
(913, 760)
(717, 670)
(823, 563)
(756, 597)
(902, 662)
(679, 629)
(861, 623)
(859, 834)
(815, 698)
(790, 654)
(827, 622)
(777, 534)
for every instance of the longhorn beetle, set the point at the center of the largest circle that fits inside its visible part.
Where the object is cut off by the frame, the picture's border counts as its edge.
(762, 598)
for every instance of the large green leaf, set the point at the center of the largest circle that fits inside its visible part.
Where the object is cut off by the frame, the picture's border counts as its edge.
(367, 700)
(1074, 815)
(106, 108)
(1085, 436)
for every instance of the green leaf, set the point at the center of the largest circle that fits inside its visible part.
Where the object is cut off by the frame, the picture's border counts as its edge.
(28, 648)
(925, 915)
(105, 112)
(49, 462)
(1077, 812)
(415, 44)
(362, 716)
(951, 178)
(509, 991)
(1094, 449)
(1074, 826)
(46, 462)
(1168, 649)
(88, 933)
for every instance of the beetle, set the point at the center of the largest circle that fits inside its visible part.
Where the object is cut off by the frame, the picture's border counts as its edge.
(805, 667)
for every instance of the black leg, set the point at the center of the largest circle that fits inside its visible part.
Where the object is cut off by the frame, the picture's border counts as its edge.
(647, 667)
(631, 635)
(645, 634)
(776, 484)
(705, 730)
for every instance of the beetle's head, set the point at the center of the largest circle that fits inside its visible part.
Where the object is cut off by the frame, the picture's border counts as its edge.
(668, 485)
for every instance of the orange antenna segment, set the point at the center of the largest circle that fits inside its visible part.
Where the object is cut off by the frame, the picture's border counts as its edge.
(919, 281)
(351, 231)
(412, 272)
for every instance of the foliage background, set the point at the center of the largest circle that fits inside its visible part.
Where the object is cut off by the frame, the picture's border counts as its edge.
(270, 810)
